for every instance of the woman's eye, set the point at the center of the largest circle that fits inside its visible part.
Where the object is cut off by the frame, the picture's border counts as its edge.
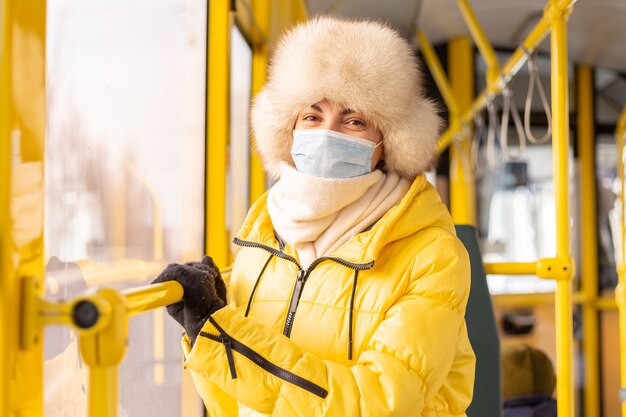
(310, 118)
(356, 122)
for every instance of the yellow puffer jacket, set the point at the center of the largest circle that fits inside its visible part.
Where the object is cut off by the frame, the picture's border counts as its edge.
(375, 329)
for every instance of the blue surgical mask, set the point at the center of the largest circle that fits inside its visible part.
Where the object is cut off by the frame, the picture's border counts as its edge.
(329, 154)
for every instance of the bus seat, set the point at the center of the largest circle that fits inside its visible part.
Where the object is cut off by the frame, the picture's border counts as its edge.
(483, 334)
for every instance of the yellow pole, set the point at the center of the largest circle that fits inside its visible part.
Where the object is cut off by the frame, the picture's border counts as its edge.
(218, 129)
(560, 154)
(8, 280)
(462, 190)
(103, 391)
(620, 291)
(22, 127)
(439, 75)
(261, 10)
(589, 237)
(511, 268)
(486, 51)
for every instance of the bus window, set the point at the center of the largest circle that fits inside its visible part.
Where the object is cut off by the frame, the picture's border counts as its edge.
(124, 179)
(238, 173)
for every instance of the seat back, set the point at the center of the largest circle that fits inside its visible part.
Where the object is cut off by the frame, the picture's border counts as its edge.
(483, 334)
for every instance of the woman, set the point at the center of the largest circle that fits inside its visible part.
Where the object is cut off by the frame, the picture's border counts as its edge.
(349, 292)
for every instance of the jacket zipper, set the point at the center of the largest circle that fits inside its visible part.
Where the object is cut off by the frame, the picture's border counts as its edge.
(302, 276)
(231, 344)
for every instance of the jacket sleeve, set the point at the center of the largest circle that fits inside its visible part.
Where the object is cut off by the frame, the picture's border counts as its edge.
(403, 366)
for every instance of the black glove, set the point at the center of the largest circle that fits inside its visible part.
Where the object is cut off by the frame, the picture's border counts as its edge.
(204, 293)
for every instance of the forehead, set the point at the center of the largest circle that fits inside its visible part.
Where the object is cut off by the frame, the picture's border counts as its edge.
(330, 106)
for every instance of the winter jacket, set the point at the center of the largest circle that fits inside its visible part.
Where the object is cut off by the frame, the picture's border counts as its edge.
(376, 328)
(530, 406)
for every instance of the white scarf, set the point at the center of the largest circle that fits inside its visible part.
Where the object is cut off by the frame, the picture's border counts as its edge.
(317, 215)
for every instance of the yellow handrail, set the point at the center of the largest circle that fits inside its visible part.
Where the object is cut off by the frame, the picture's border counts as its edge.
(439, 75)
(150, 297)
(485, 48)
(560, 156)
(218, 130)
(101, 321)
(511, 268)
(509, 69)
(588, 237)
(259, 73)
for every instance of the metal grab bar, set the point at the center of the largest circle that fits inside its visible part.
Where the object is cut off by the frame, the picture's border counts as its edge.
(101, 322)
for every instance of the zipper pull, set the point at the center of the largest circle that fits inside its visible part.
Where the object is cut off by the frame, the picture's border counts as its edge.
(229, 355)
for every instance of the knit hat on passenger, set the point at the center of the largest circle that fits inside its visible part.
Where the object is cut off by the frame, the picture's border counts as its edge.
(362, 65)
(526, 371)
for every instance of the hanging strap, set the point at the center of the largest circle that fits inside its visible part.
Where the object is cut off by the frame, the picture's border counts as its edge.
(509, 108)
(533, 71)
(491, 135)
(478, 163)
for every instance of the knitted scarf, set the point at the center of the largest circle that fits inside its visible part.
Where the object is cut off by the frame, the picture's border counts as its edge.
(317, 215)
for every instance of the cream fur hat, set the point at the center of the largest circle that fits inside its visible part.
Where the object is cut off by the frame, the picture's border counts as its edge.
(363, 65)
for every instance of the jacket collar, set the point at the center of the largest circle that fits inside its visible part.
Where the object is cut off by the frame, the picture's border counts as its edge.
(419, 208)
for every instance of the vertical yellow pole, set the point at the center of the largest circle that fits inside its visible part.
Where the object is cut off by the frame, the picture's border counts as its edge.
(261, 10)
(22, 127)
(103, 387)
(620, 291)
(218, 129)
(560, 148)
(588, 238)
(8, 280)
(462, 189)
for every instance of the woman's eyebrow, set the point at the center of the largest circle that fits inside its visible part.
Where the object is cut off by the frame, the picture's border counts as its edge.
(347, 111)
(316, 107)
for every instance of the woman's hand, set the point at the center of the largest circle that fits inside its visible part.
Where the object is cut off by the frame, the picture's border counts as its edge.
(204, 293)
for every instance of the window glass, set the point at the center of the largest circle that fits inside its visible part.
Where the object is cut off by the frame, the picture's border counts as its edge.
(517, 216)
(609, 211)
(515, 197)
(124, 179)
(238, 175)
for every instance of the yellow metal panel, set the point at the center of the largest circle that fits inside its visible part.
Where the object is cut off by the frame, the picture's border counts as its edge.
(462, 187)
(218, 128)
(22, 127)
(588, 238)
(560, 152)
(261, 9)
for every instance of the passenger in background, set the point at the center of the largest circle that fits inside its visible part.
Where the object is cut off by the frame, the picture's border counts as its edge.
(528, 381)
(348, 295)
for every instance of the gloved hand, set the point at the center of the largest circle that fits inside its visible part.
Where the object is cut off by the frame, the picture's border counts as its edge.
(204, 293)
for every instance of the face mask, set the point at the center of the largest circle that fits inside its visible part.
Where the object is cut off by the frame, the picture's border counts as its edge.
(329, 154)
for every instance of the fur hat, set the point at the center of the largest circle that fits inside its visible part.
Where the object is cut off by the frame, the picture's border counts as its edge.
(363, 65)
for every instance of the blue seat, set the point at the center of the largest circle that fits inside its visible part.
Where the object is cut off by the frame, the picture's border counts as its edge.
(483, 334)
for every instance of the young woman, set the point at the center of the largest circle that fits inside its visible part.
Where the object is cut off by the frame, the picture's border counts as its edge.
(348, 295)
